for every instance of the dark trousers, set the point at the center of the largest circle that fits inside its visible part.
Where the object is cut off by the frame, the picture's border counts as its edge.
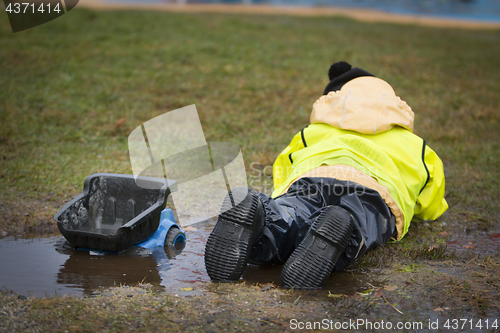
(289, 216)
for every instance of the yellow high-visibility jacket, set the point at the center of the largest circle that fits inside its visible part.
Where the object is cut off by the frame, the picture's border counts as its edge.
(363, 133)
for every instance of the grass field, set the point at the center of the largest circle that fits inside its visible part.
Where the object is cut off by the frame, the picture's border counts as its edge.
(73, 89)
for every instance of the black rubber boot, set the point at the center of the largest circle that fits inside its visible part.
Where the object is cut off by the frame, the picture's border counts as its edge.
(230, 243)
(314, 259)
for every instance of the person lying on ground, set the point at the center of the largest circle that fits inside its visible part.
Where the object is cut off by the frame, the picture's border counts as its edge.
(353, 179)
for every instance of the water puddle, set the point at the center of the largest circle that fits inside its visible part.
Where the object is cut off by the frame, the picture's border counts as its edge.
(47, 266)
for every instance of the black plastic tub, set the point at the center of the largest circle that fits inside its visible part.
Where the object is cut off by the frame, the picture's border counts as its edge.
(113, 213)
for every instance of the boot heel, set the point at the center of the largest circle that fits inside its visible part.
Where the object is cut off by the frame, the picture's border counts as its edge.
(229, 245)
(314, 259)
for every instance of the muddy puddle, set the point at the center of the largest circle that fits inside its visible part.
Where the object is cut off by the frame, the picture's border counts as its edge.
(48, 266)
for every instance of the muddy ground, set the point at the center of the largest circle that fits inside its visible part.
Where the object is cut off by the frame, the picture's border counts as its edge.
(438, 273)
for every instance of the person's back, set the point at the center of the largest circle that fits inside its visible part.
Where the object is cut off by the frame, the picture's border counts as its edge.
(366, 126)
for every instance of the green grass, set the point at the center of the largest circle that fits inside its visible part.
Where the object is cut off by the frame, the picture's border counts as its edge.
(66, 87)
(66, 84)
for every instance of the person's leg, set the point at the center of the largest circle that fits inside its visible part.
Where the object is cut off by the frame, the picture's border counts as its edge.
(339, 234)
(263, 230)
(256, 228)
(375, 223)
(314, 259)
(287, 221)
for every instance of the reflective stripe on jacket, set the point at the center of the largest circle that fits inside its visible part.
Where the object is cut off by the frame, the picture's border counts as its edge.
(341, 132)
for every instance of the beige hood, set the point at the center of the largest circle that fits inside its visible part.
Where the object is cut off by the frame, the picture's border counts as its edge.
(366, 105)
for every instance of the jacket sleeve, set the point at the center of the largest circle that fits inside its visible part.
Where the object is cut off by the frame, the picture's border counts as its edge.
(283, 164)
(431, 203)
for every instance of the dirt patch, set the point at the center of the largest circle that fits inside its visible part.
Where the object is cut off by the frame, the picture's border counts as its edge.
(21, 215)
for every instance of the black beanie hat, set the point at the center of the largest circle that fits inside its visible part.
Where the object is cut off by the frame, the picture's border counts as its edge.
(340, 73)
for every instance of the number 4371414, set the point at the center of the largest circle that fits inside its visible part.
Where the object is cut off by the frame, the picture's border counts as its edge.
(455, 324)
(18, 7)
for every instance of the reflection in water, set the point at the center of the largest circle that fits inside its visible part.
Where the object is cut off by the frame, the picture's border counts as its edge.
(88, 271)
(48, 266)
(165, 268)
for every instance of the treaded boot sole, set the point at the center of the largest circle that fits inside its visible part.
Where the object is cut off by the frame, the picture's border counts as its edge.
(229, 245)
(312, 262)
